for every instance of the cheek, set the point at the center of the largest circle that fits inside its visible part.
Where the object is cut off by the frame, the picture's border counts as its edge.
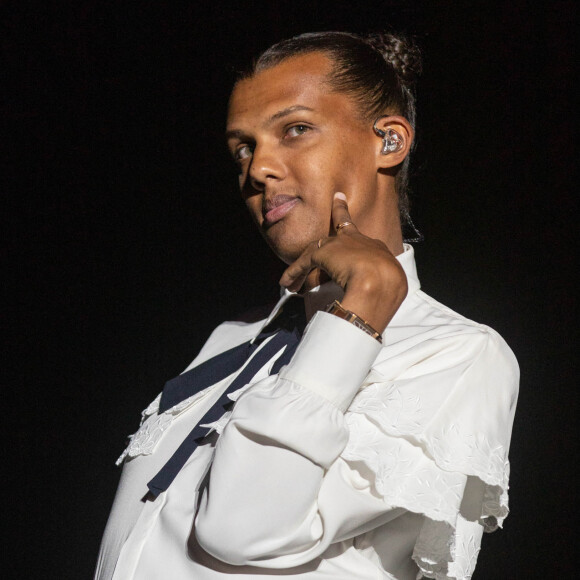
(350, 165)
(320, 173)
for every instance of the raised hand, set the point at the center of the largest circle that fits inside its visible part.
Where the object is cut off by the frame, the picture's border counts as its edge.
(374, 282)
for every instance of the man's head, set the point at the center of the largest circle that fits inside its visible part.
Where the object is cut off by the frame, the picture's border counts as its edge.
(300, 126)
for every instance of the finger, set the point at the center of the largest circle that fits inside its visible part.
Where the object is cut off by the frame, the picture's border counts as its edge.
(295, 275)
(341, 219)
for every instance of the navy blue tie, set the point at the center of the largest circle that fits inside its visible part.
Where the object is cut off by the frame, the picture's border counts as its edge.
(285, 330)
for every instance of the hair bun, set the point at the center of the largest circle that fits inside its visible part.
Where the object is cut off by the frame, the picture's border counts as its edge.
(401, 53)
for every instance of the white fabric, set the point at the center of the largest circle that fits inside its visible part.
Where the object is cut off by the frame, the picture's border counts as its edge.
(356, 461)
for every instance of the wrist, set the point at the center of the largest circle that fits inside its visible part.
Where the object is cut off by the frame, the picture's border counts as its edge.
(375, 300)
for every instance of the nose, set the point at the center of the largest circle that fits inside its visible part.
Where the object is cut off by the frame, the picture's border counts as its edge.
(266, 167)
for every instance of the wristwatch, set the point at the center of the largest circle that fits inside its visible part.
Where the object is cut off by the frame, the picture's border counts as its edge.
(337, 309)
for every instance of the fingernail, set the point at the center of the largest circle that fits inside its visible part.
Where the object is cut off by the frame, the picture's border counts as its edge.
(340, 195)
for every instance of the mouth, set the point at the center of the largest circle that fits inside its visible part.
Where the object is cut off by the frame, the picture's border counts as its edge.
(275, 209)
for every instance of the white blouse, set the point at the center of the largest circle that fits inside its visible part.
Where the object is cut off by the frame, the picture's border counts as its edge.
(358, 460)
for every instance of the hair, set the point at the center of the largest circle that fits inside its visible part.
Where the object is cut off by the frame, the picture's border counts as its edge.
(378, 71)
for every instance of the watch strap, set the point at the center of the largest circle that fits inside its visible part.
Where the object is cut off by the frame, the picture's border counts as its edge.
(337, 309)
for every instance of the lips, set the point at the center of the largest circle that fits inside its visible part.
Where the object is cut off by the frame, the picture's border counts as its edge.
(277, 207)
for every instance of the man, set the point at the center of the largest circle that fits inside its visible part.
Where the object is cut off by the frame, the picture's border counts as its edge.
(375, 444)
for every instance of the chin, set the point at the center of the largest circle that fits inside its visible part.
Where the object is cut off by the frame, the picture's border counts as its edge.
(289, 237)
(288, 250)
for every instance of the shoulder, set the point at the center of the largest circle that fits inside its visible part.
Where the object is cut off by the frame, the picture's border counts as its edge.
(480, 335)
(446, 382)
(427, 337)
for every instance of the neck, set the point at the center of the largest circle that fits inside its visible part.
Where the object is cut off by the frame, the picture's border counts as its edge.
(381, 219)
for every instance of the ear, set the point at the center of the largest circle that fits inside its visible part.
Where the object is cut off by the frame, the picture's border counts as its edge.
(404, 135)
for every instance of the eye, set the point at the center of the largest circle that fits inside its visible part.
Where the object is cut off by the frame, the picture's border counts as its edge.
(243, 152)
(297, 130)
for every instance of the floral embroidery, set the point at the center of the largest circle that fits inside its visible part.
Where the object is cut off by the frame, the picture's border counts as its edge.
(152, 426)
(143, 442)
(424, 468)
(404, 475)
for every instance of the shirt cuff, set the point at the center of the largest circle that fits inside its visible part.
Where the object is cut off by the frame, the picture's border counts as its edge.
(332, 359)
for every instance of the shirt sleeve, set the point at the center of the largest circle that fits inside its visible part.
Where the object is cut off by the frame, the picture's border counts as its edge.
(326, 451)
(269, 486)
(433, 428)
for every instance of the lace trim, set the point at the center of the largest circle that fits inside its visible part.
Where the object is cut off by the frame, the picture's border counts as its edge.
(403, 475)
(495, 507)
(427, 474)
(152, 426)
(407, 416)
(448, 544)
(145, 439)
(445, 552)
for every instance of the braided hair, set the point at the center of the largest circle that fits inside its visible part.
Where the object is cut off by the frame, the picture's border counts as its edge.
(378, 71)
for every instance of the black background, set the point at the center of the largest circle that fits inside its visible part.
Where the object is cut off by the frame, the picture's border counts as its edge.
(127, 241)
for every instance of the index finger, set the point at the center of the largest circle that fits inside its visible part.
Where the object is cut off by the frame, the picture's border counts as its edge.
(341, 219)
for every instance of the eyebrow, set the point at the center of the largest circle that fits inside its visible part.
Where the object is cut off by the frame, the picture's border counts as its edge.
(278, 115)
(287, 111)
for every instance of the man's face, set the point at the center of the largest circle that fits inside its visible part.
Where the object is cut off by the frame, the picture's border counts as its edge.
(297, 143)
